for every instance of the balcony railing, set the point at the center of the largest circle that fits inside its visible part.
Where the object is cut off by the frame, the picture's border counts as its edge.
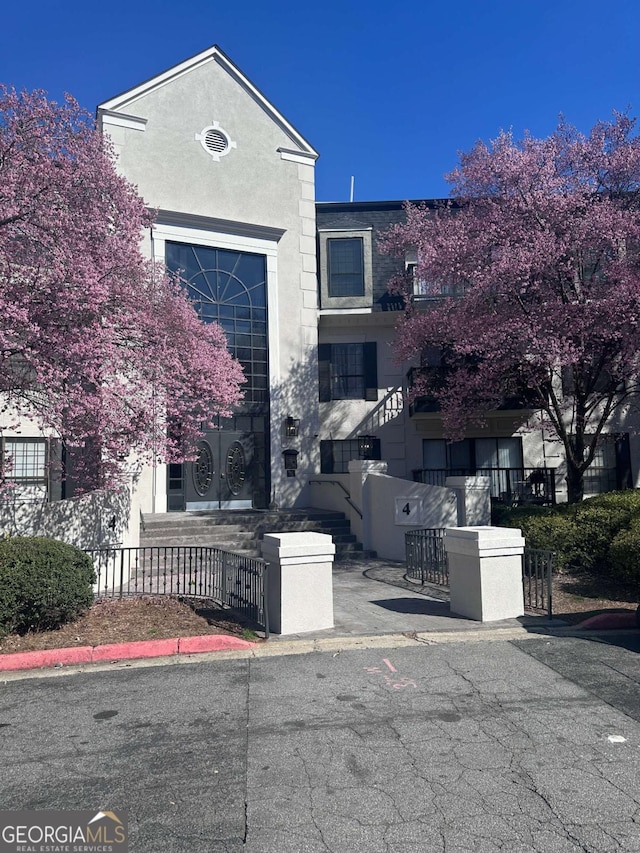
(535, 486)
(427, 403)
(437, 379)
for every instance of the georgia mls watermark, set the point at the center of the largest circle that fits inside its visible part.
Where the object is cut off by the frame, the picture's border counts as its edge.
(63, 832)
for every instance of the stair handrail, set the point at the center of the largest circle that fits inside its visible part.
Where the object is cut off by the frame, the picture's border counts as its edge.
(344, 489)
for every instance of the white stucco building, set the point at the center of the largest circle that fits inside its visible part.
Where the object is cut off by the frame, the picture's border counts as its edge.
(300, 291)
(233, 185)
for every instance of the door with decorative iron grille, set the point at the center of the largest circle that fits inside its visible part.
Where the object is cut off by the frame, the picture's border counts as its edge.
(220, 477)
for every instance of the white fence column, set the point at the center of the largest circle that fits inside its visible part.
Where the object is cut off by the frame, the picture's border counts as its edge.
(474, 499)
(485, 572)
(300, 592)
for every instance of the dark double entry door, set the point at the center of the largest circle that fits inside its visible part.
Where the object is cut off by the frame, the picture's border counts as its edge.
(220, 476)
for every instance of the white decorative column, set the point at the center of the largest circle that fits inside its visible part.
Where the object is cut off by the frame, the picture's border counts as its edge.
(359, 470)
(300, 586)
(485, 572)
(474, 499)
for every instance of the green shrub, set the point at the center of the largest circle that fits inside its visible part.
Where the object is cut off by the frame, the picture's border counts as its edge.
(550, 531)
(507, 516)
(628, 499)
(624, 554)
(596, 527)
(43, 583)
(581, 535)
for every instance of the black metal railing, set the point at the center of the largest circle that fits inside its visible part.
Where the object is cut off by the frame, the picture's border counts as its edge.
(426, 402)
(232, 580)
(426, 560)
(537, 580)
(437, 376)
(536, 486)
(426, 557)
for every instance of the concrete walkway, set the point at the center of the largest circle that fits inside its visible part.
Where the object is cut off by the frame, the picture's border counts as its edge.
(374, 597)
(374, 602)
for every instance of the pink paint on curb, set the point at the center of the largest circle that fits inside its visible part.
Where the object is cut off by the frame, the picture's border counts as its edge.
(122, 651)
(140, 649)
(211, 643)
(612, 620)
(49, 657)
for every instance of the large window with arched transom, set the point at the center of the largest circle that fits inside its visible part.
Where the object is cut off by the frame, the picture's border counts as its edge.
(230, 288)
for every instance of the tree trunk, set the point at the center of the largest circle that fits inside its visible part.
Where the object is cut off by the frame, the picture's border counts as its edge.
(575, 483)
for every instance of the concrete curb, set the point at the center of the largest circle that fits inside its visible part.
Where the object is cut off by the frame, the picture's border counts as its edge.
(611, 621)
(122, 651)
(197, 648)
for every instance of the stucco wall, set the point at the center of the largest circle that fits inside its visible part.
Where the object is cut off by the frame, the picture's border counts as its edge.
(387, 417)
(96, 520)
(382, 532)
(266, 182)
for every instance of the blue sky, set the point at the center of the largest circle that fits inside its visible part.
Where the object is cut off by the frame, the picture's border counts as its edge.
(387, 93)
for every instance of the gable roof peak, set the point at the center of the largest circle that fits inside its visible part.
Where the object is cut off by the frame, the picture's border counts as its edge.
(123, 101)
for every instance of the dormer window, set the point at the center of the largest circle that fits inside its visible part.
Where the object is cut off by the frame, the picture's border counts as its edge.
(345, 266)
(422, 289)
(346, 277)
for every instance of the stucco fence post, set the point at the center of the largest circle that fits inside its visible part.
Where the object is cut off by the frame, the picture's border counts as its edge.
(300, 591)
(485, 572)
(474, 500)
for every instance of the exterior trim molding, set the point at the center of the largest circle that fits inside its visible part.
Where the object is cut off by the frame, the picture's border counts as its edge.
(344, 230)
(221, 226)
(329, 312)
(212, 54)
(122, 120)
(297, 156)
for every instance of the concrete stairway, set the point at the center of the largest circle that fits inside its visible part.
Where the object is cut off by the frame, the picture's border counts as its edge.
(241, 530)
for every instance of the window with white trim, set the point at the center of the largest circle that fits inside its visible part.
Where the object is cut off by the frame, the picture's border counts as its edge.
(348, 371)
(335, 455)
(345, 266)
(25, 464)
(346, 274)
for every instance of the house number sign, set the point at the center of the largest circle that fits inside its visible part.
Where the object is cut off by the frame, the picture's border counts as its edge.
(409, 511)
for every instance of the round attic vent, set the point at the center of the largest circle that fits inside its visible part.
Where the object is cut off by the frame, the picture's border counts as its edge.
(215, 141)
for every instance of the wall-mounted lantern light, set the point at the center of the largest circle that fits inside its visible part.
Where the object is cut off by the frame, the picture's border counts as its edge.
(290, 462)
(291, 427)
(366, 445)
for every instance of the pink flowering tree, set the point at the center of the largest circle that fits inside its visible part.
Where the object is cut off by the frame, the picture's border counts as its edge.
(96, 345)
(536, 272)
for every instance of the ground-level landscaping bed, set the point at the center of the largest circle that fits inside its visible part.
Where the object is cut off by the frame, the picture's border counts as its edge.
(577, 596)
(131, 620)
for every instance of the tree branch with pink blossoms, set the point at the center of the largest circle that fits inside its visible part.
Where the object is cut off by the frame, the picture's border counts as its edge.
(99, 347)
(541, 245)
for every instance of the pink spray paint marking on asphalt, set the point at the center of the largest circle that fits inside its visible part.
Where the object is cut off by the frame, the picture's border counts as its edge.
(397, 683)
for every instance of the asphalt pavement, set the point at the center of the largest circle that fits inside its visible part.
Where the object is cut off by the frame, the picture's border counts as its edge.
(454, 747)
(402, 730)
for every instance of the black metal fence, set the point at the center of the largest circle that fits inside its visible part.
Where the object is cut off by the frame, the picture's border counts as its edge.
(537, 580)
(426, 560)
(232, 580)
(426, 557)
(535, 486)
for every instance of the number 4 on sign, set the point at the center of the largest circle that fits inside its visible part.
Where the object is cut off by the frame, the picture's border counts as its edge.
(409, 510)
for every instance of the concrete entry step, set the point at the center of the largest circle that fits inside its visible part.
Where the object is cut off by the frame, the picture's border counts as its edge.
(242, 530)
